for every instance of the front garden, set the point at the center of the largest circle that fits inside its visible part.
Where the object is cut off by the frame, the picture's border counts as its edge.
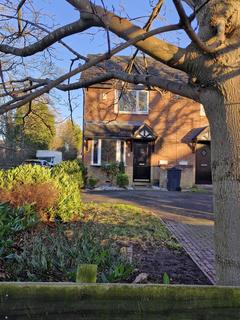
(46, 231)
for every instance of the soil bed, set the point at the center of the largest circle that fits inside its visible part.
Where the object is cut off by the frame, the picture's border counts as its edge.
(176, 263)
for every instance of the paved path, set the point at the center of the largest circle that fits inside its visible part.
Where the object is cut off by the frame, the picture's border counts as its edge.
(187, 215)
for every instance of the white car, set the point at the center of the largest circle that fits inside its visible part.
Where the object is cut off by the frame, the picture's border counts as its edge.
(37, 162)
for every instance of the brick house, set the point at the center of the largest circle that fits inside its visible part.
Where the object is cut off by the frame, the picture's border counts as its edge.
(148, 129)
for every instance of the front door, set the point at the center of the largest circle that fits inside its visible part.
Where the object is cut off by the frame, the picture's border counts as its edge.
(203, 164)
(141, 161)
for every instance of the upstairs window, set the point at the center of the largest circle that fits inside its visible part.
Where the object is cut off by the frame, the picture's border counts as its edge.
(133, 101)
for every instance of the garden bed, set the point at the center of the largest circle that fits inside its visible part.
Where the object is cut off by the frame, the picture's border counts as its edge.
(123, 240)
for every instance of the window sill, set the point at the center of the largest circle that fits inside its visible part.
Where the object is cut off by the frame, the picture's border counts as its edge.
(99, 165)
(128, 112)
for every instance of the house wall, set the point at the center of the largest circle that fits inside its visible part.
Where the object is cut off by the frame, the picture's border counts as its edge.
(170, 116)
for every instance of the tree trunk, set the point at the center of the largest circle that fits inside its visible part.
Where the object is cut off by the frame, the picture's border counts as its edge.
(224, 117)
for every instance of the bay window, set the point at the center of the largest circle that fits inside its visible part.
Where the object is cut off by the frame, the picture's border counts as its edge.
(108, 151)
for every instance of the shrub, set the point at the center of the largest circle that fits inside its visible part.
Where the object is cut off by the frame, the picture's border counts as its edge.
(43, 197)
(122, 180)
(92, 182)
(111, 170)
(69, 206)
(75, 169)
(61, 186)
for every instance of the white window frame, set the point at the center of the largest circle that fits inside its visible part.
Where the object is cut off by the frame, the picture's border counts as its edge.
(117, 105)
(118, 155)
(99, 152)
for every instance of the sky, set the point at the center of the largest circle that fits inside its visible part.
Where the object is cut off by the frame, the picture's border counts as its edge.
(94, 41)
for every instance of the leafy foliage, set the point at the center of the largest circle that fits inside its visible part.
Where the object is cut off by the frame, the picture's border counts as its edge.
(42, 196)
(54, 254)
(75, 169)
(68, 140)
(92, 182)
(37, 129)
(166, 278)
(13, 221)
(68, 204)
(112, 170)
(122, 180)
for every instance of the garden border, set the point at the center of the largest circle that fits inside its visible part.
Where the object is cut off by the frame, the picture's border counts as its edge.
(107, 301)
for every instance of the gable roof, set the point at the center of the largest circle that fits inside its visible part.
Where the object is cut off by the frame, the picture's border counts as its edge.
(148, 65)
(145, 132)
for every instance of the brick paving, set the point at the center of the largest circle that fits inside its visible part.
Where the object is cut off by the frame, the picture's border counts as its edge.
(197, 240)
(187, 215)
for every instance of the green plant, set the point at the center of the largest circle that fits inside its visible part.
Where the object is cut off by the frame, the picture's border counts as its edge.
(53, 254)
(68, 204)
(12, 221)
(111, 170)
(92, 182)
(75, 169)
(166, 278)
(122, 180)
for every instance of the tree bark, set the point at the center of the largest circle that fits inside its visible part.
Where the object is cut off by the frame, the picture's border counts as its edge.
(223, 111)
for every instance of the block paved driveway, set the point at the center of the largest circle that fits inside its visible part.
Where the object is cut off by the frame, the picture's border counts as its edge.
(188, 215)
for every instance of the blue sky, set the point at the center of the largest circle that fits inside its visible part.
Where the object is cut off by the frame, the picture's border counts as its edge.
(95, 42)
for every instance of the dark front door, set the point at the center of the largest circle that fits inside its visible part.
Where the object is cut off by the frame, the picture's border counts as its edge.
(203, 164)
(141, 161)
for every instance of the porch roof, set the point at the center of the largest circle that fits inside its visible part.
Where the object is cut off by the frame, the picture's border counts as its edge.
(118, 130)
(197, 134)
(112, 130)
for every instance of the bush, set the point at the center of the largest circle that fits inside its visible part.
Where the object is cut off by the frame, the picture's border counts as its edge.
(16, 182)
(122, 180)
(43, 197)
(113, 169)
(92, 182)
(75, 169)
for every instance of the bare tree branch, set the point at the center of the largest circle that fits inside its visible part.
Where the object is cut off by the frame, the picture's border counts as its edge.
(182, 89)
(47, 41)
(154, 47)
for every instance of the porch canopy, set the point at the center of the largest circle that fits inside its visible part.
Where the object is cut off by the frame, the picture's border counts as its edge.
(197, 135)
(119, 130)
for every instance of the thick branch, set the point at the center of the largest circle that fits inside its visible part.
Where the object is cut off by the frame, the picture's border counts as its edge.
(182, 89)
(154, 47)
(47, 41)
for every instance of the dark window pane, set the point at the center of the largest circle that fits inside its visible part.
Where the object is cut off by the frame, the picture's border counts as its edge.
(127, 101)
(95, 151)
(122, 151)
(108, 151)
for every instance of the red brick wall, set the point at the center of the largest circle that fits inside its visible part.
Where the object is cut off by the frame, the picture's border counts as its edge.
(170, 116)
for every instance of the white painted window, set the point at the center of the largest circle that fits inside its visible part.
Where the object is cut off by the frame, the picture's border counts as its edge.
(108, 151)
(121, 151)
(132, 101)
